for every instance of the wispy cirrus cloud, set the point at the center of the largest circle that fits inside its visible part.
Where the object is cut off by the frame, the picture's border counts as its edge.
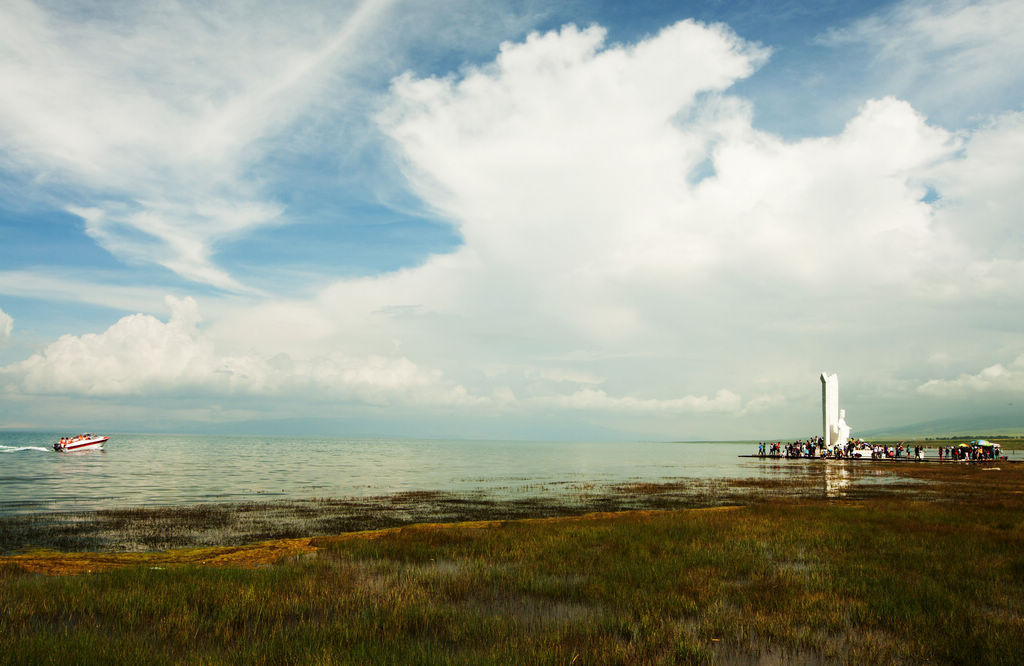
(151, 117)
(952, 57)
(976, 32)
(61, 286)
(179, 235)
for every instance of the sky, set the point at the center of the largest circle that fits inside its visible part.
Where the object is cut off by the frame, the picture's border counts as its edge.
(511, 219)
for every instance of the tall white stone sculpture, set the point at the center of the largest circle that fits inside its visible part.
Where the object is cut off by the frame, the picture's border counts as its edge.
(834, 429)
(829, 405)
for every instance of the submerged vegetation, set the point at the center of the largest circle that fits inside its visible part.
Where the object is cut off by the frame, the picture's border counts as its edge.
(934, 575)
(161, 528)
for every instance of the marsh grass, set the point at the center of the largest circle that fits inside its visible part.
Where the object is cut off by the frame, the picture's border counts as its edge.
(935, 578)
(159, 528)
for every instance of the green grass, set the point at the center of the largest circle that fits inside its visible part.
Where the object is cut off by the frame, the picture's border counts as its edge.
(887, 580)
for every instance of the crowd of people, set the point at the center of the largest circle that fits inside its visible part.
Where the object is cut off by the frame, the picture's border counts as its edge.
(972, 451)
(815, 447)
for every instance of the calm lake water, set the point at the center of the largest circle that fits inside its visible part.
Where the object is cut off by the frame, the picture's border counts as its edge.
(164, 470)
(148, 470)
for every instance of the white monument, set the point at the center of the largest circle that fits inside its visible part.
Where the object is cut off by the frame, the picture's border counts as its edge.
(834, 430)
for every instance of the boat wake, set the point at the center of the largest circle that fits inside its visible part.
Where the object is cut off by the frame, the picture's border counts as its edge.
(15, 449)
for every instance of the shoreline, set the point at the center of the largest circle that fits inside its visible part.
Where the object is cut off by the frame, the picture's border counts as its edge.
(161, 528)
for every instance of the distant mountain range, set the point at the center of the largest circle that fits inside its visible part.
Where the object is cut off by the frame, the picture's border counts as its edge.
(976, 425)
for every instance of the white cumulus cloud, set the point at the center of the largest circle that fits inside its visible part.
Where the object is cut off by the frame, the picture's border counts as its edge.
(995, 379)
(618, 205)
(6, 324)
(141, 355)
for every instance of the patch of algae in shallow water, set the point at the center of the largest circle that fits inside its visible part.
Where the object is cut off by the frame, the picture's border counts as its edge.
(264, 553)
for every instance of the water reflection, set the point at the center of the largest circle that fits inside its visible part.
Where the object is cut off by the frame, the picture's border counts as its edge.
(837, 480)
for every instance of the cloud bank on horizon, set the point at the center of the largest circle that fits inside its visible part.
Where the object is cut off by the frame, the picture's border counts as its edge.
(478, 221)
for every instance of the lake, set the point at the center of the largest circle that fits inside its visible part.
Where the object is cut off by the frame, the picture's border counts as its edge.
(151, 470)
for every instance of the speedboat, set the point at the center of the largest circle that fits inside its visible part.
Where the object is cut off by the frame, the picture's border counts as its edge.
(84, 442)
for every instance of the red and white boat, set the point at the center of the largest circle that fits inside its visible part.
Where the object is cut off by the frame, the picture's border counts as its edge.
(80, 443)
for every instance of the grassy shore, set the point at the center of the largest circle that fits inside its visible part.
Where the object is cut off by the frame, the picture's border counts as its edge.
(933, 573)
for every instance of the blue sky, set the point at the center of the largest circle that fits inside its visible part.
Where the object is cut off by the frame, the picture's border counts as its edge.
(510, 219)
